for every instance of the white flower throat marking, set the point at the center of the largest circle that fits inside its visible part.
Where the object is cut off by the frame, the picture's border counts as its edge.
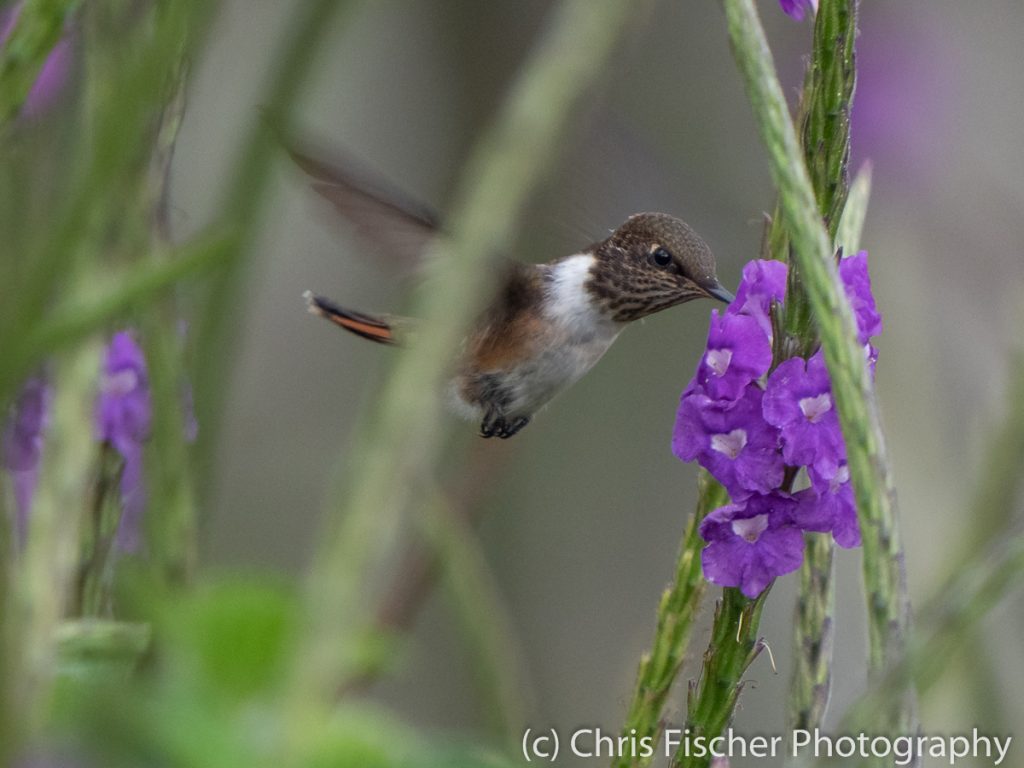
(813, 408)
(719, 359)
(730, 444)
(750, 528)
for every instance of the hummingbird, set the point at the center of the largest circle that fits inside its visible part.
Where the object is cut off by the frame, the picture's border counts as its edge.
(548, 323)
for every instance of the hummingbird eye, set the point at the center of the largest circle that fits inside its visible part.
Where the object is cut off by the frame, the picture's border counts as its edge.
(661, 257)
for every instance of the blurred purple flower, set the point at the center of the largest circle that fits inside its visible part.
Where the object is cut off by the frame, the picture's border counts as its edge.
(797, 8)
(798, 400)
(52, 76)
(123, 414)
(23, 446)
(738, 352)
(913, 91)
(829, 506)
(730, 440)
(751, 543)
(763, 282)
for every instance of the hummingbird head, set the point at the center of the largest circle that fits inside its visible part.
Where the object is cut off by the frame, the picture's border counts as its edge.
(652, 262)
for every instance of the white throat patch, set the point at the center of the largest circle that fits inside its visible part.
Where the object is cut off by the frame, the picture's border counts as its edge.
(569, 302)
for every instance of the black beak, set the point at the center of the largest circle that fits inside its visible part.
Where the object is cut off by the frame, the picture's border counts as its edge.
(718, 292)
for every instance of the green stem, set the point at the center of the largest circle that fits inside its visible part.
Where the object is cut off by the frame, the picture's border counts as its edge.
(171, 516)
(676, 613)
(484, 621)
(396, 455)
(92, 592)
(993, 504)
(51, 555)
(93, 640)
(851, 225)
(825, 139)
(825, 120)
(1001, 478)
(888, 606)
(733, 647)
(810, 684)
(989, 567)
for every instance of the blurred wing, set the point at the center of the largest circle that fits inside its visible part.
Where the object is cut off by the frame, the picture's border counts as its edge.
(389, 221)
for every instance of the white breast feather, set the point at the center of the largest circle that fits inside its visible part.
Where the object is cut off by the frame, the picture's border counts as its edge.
(569, 303)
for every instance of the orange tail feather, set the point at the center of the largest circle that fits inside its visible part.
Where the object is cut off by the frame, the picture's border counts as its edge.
(367, 326)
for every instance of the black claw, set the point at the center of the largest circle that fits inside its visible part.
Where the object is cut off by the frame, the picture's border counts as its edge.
(494, 425)
(516, 425)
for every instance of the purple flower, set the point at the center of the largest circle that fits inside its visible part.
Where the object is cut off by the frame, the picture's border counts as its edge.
(123, 413)
(853, 270)
(52, 76)
(731, 440)
(745, 431)
(829, 506)
(798, 400)
(797, 8)
(23, 446)
(762, 283)
(738, 352)
(751, 543)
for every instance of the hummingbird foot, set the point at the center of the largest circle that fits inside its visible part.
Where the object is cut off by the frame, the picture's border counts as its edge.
(495, 425)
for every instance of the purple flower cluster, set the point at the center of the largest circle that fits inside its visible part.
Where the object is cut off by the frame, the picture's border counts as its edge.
(746, 427)
(23, 446)
(123, 413)
(797, 8)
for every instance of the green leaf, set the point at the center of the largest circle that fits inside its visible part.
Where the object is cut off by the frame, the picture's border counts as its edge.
(235, 634)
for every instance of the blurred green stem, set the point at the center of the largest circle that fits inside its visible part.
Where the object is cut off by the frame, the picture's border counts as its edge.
(945, 625)
(52, 547)
(676, 613)
(394, 458)
(92, 584)
(993, 505)
(888, 606)
(222, 315)
(483, 618)
(990, 565)
(171, 515)
(995, 495)
(74, 319)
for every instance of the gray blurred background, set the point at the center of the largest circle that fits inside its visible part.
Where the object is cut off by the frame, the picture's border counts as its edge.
(581, 528)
